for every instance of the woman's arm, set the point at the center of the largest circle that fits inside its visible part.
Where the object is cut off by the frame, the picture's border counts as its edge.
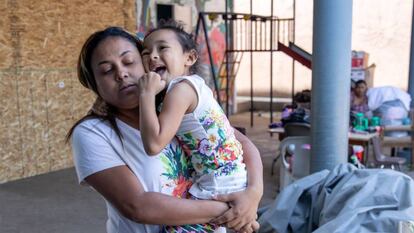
(158, 131)
(123, 190)
(95, 148)
(244, 204)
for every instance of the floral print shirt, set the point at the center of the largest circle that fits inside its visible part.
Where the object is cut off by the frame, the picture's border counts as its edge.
(208, 138)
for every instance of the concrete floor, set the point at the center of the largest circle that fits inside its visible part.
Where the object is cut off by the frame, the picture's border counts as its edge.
(54, 202)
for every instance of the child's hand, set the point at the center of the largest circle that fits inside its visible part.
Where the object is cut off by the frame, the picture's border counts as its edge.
(151, 83)
(243, 209)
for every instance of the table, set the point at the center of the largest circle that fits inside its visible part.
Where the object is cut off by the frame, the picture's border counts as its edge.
(354, 139)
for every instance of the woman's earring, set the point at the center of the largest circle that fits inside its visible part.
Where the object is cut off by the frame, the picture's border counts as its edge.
(99, 107)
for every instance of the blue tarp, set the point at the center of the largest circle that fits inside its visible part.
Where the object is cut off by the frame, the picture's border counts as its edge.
(346, 199)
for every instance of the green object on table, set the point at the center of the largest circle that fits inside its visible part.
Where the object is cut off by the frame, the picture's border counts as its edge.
(375, 121)
(361, 122)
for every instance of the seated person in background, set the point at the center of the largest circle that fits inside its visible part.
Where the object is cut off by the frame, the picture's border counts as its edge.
(299, 111)
(303, 99)
(359, 100)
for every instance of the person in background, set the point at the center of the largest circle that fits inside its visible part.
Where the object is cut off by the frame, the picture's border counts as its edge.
(142, 192)
(303, 99)
(299, 111)
(359, 99)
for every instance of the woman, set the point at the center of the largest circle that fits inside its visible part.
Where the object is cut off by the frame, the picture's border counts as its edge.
(109, 155)
(359, 100)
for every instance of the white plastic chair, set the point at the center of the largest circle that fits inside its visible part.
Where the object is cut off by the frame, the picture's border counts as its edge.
(301, 159)
(293, 129)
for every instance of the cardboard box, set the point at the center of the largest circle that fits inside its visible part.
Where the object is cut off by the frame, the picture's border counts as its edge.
(366, 74)
(358, 74)
(359, 60)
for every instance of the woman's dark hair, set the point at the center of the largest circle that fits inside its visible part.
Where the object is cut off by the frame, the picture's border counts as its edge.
(86, 76)
(186, 40)
(360, 82)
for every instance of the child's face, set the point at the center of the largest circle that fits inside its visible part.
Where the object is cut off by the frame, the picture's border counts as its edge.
(164, 55)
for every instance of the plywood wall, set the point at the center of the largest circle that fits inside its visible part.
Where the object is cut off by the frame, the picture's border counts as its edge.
(40, 96)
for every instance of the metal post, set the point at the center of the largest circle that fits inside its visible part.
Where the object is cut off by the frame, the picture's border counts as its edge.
(293, 60)
(331, 66)
(251, 64)
(411, 71)
(271, 62)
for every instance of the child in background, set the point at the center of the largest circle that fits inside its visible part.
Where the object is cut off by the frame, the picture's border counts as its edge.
(189, 112)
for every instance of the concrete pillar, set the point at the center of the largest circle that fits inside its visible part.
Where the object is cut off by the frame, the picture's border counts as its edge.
(331, 70)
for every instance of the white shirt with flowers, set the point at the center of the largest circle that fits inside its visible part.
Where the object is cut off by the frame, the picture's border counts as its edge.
(207, 136)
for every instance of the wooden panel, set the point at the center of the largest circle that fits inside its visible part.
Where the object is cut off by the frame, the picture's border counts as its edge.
(6, 48)
(59, 107)
(40, 95)
(63, 25)
(25, 97)
(10, 137)
(40, 117)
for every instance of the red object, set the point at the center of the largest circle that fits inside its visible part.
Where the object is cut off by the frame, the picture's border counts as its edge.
(360, 155)
(357, 63)
(359, 59)
(302, 60)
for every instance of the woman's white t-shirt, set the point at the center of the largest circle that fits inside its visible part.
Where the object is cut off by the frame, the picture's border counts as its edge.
(97, 147)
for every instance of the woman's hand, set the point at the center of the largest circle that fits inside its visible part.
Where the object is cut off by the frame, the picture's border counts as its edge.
(151, 83)
(243, 209)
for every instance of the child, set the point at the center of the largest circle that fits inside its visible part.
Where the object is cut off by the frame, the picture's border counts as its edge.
(189, 112)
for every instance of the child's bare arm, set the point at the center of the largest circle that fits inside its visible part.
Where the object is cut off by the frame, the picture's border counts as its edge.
(157, 132)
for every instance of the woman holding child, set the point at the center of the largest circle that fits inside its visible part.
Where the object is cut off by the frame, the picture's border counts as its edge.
(143, 192)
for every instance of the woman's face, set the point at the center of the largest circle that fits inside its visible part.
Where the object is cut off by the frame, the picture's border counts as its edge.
(117, 67)
(360, 89)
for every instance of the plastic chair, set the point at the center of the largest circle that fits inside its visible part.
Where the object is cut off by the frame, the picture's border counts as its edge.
(297, 129)
(301, 159)
(293, 129)
(382, 160)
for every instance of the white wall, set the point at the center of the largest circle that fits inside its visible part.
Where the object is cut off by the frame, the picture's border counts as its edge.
(380, 27)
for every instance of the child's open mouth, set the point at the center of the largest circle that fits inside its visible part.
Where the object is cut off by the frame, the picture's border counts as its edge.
(159, 70)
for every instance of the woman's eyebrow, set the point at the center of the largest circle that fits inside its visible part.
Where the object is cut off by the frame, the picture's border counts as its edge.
(122, 54)
(125, 52)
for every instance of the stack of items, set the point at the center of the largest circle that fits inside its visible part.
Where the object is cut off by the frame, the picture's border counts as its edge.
(360, 69)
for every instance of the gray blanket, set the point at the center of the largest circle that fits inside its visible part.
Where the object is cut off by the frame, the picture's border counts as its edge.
(343, 200)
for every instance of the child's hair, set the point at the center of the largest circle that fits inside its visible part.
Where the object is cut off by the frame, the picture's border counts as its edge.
(186, 40)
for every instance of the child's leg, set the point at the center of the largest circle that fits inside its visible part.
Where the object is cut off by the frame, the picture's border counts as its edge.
(206, 228)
